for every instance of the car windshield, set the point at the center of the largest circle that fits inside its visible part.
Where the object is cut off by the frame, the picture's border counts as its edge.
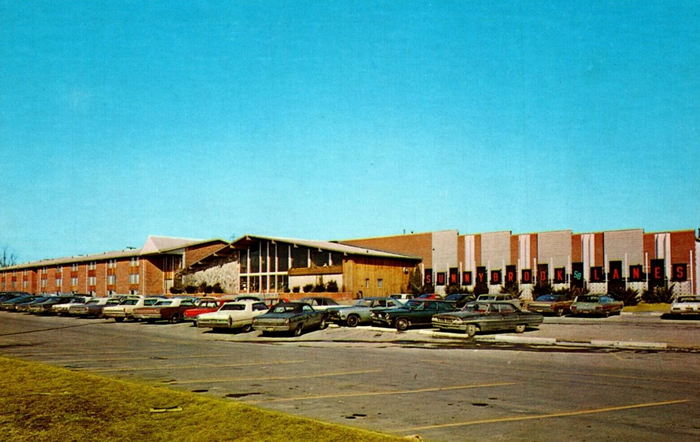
(417, 305)
(150, 301)
(544, 298)
(93, 301)
(588, 299)
(284, 308)
(130, 302)
(165, 302)
(689, 299)
(363, 303)
(233, 307)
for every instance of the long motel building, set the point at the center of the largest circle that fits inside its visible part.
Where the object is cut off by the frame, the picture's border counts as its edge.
(150, 270)
(377, 266)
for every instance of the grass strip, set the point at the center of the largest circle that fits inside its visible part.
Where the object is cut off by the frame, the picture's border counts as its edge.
(644, 307)
(44, 403)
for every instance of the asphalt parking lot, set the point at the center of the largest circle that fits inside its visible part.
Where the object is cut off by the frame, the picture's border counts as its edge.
(416, 382)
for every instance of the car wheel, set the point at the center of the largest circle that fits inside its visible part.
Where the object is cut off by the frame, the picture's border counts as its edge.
(607, 313)
(560, 312)
(297, 331)
(520, 328)
(194, 323)
(118, 319)
(323, 324)
(352, 321)
(470, 330)
(247, 328)
(175, 319)
(402, 324)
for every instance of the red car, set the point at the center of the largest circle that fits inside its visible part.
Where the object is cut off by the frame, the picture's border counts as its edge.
(171, 310)
(204, 305)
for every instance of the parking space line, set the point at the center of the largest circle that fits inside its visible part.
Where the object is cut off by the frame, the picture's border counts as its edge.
(543, 416)
(276, 378)
(383, 393)
(579, 373)
(179, 367)
(141, 358)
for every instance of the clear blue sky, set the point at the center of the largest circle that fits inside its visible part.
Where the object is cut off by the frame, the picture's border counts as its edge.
(338, 119)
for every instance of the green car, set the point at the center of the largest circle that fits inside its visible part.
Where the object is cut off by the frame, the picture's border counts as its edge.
(487, 316)
(415, 312)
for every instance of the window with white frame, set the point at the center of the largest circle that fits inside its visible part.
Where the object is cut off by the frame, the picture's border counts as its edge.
(92, 280)
(74, 267)
(58, 282)
(112, 263)
(74, 282)
(43, 283)
(92, 265)
(111, 279)
(134, 278)
(134, 261)
(380, 283)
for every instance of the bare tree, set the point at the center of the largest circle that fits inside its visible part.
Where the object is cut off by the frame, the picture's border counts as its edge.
(7, 257)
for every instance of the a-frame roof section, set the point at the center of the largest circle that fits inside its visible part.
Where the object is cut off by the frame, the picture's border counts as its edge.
(161, 244)
(326, 245)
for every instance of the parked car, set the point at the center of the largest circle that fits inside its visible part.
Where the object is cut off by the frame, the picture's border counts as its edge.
(359, 313)
(10, 304)
(204, 305)
(171, 310)
(460, 299)
(428, 296)
(294, 317)
(487, 316)
(552, 303)
(498, 297)
(320, 303)
(62, 309)
(25, 305)
(125, 309)
(414, 312)
(92, 308)
(403, 297)
(686, 305)
(47, 305)
(604, 305)
(235, 314)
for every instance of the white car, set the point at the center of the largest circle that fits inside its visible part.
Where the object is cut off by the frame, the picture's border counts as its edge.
(62, 309)
(686, 305)
(125, 309)
(237, 314)
(320, 303)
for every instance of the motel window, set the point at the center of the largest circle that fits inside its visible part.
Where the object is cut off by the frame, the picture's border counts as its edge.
(43, 283)
(58, 282)
(244, 261)
(367, 283)
(134, 261)
(134, 278)
(319, 258)
(92, 265)
(25, 284)
(380, 283)
(112, 263)
(254, 259)
(300, 257)
(74, 267)
(74, 282)
(111, 279)
(92, 280)
(282, 258)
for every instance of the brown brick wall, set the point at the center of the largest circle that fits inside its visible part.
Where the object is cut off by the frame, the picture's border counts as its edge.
(576, 249)
(514, 249)
(650, 245)
(477, 250)
(152, 276)
(533, 252)
(599, 248)
(416, 244)
(681, 244)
